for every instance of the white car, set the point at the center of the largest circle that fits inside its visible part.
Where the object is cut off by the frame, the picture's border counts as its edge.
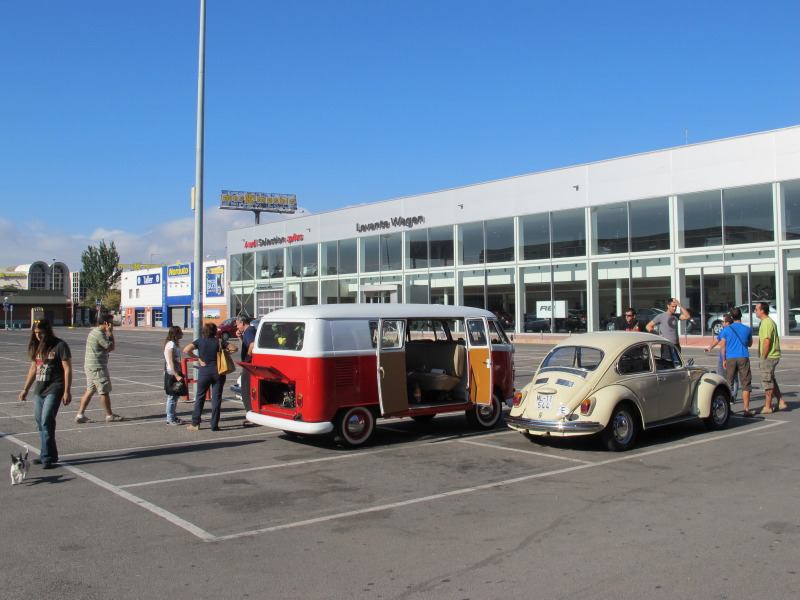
(749, 318)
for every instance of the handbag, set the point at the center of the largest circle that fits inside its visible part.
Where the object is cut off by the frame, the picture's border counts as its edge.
(173, 387)
(225, 363)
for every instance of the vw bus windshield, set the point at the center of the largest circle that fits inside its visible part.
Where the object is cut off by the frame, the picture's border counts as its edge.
(281, 335)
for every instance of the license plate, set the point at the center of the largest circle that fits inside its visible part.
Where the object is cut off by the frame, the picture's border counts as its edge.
(544, 401)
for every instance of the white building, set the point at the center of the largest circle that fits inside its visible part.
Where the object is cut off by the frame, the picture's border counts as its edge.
(715, 224)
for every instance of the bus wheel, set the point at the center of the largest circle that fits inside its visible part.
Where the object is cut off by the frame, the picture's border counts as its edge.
(485, 417)
(354, 426)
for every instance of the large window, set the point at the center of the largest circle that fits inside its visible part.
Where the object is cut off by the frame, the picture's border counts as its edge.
(417, 249)
(441, 246)
(269, 264)
(569, 233)
(37, 278)
(500, 240)
(701, 220)
(348, 256)
(470, 244)
(328, 258)
(242, 267)
(610, 224)
(391, 246)
(534, 236)
(748, 214)
(370, 254)
(790, 193)
(649, 225)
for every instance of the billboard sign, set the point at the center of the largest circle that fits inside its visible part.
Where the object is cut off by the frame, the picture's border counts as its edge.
(258, 202)
(215, 281)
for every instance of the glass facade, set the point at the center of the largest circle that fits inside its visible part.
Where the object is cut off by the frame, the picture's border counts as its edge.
(576, 268)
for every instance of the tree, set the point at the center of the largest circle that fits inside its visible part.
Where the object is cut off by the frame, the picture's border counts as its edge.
(101, 270)
(112, 300)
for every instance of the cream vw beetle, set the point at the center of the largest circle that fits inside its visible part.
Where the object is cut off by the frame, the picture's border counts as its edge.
(616, 384)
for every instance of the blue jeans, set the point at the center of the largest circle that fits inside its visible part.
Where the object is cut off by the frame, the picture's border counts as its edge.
(172, 402)
(45, 411)
(216, 382)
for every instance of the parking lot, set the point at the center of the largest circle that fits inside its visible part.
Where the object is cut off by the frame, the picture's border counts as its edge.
(142, 509)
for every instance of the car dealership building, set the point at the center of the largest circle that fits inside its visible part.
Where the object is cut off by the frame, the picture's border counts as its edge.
(716, 224)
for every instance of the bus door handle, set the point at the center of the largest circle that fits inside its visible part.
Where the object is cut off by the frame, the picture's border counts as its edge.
(380, 370)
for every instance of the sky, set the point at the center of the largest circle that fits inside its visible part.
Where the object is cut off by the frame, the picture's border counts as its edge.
(346, 102)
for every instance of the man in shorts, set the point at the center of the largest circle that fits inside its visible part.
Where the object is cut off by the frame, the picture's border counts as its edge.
(735, 341)
(769, 351)
(99, 343)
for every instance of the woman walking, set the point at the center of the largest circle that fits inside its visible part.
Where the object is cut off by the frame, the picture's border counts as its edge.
(172, 371)
(51, 369)
(205, 350)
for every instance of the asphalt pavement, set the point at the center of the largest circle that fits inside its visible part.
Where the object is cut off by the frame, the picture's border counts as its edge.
(140, 509)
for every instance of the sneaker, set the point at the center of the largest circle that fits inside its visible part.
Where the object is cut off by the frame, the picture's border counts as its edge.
(49, 465)
(81, 419)
(36, 461)
(193, 427)
(114, 418)
(176, 421)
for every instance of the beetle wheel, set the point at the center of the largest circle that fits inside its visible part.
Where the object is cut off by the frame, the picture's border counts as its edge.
(720, 410)
(485, 416)
(622, 429)
(354, 426)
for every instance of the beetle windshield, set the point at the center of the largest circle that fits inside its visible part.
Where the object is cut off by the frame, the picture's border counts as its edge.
(573, 357)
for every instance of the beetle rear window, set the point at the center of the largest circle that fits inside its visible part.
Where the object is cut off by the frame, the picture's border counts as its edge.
(574, 357)
(281, 335)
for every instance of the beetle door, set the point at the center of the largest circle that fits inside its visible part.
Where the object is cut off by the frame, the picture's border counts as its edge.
(391, 350)
(479, 361)
(674, 381)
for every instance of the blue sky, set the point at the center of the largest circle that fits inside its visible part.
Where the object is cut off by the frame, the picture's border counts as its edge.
(352, 101)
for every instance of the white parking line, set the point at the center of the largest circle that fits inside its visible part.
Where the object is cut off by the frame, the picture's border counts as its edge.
(208, 537)
(486, 486)
(527, 452)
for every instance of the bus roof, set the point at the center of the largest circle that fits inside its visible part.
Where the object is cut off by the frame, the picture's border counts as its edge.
(376, 311)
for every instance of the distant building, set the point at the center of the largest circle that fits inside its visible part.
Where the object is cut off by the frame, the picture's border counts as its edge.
(36, 290)
(162, 296)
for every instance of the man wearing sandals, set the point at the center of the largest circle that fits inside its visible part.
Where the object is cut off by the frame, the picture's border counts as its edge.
(99, 343)
(769, 351)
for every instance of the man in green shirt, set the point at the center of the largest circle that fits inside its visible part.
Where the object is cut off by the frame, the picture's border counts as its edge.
(769, 353)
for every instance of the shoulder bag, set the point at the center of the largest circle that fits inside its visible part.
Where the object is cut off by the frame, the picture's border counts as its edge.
(225, 363)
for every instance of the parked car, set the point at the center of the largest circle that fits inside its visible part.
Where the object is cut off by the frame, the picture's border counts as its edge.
(226, 329)
(574, 321)
(616, 384)
(506, 320)
(749, 318)
(643, 316)
(533, 324)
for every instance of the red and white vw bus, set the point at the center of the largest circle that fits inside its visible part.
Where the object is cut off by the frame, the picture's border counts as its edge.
(338, 367)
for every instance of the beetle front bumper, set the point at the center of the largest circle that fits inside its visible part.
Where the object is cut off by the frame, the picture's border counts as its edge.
(557, 427)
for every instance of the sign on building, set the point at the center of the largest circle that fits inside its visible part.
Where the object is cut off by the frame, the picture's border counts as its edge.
(258, 201)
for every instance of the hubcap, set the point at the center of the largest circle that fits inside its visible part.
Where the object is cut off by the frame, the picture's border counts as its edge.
(622, 427)
(356, 425)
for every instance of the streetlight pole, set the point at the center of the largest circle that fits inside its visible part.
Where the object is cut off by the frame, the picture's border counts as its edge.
(197, 296)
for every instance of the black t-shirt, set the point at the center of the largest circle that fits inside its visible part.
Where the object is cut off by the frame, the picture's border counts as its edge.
(50, 371)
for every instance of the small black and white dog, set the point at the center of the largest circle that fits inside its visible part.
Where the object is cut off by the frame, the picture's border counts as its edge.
(20, 465)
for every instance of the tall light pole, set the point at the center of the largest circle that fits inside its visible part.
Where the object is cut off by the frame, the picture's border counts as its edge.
(197, 296)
